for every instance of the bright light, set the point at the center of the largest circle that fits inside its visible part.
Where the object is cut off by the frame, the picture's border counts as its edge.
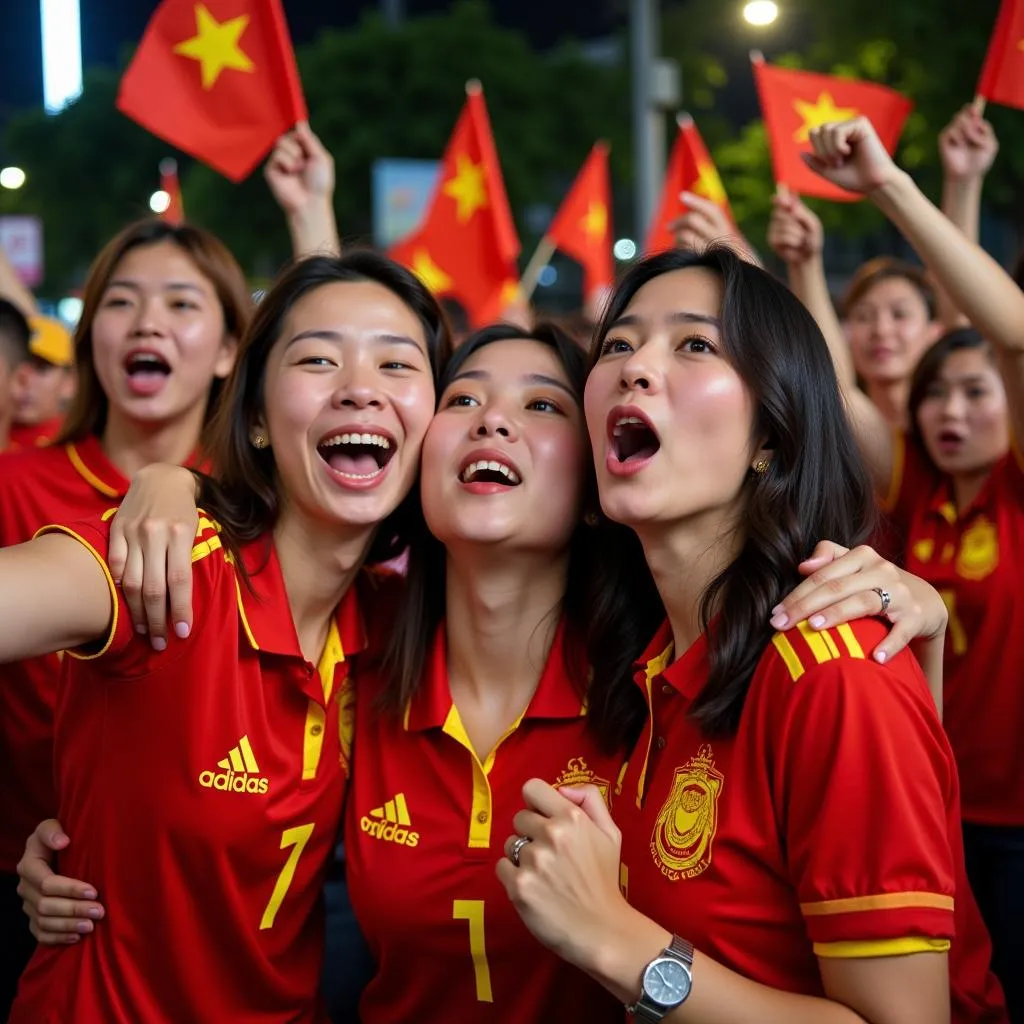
(62, 53)
(547, 276)
(624, 249)
(760, 12)
(69, 309)
(12, 177)
(159, 201)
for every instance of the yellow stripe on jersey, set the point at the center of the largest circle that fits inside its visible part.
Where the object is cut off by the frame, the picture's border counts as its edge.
(883, 901)
(204, 548)
(899, 457)
(76, 460)
(850, 641)
(109, 514)
(880, 947)
(789, 656)
(316, 716)
(247, 755)
(822, 645)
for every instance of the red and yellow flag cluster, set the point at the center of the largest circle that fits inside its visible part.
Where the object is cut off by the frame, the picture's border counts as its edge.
(467, 245)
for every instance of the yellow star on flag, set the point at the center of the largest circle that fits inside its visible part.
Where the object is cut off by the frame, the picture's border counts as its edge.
(468, 187)
(429, 272)
(215, 45)
(509, 293)
(709, 185)
(816, 114)
(595, 223)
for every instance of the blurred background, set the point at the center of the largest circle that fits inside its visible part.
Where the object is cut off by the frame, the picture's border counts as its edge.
(384, 80)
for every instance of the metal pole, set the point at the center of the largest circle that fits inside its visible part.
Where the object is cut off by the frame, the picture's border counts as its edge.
(648, 129)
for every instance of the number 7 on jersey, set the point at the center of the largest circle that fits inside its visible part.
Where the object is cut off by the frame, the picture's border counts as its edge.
(473, 912)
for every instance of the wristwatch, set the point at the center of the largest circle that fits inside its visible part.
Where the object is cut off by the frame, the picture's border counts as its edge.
(667, 981)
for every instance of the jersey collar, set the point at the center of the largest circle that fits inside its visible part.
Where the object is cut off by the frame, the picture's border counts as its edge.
(686, 675)
(266, 616)
(555, 697)
(92, 464)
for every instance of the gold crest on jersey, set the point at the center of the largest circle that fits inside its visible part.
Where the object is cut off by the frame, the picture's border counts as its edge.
(578, 773)
(685, 829)
(979, 550)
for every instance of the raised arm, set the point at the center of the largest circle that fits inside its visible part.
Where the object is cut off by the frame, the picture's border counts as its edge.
(796, 236)
(967, 147)
(300, 173)
(54, 595)
(851, 155)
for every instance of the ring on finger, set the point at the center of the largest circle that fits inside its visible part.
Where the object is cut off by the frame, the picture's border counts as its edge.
(885, 598)
(517, 847)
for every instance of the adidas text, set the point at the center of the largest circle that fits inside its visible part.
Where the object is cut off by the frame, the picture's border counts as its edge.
(389, 832)
(233, 782)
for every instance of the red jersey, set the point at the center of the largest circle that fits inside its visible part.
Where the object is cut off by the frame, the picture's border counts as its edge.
(821, 829)
(426, 823)
(203, 789)
(37, 487)
(35, 435)
(973, 558)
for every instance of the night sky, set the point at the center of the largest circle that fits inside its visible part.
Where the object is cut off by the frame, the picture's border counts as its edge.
(108, 28)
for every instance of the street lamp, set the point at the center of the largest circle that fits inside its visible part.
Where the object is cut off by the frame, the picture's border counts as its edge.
(159, 201)
(760, 12)
(12, 177)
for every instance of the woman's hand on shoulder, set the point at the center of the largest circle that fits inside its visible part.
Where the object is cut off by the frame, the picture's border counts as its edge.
(60, 910)
(843, 585)
(150, 553)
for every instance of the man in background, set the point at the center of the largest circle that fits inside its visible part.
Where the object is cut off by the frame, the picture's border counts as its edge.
(14, 358)
(44, 384)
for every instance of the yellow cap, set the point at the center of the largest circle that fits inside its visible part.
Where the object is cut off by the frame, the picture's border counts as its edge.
(50, 340)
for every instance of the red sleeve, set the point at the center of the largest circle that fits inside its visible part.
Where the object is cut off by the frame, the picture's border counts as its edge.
(133, 652)
(864, 782)
(913, 480)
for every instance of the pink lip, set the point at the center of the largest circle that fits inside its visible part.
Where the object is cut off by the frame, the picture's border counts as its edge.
(611, 460)
(149, 384)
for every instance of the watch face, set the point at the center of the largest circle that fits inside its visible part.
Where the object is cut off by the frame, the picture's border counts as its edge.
(666, 982)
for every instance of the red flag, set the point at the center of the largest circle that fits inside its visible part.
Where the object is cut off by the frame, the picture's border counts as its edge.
(467, 245)
(217, 79)
(175, 212)
(1002, 77)
(794, 102)
(582, 228)
(690, 169)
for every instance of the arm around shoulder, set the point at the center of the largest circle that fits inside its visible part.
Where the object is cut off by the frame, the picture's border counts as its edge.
(55, 594)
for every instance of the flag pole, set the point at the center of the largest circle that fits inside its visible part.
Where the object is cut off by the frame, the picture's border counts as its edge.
(538, 261)
(978, 105)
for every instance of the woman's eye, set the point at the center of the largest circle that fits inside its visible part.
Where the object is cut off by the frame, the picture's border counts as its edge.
(612, 346)
(466, 401)
(397, 364)
(544, 405)
(115, 300)
(183, 304)
(698, 344)
(315, 361)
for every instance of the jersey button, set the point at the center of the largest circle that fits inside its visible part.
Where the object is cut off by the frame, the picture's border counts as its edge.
(666, 689)
(315, 730)
(661, 741)
(482, 817)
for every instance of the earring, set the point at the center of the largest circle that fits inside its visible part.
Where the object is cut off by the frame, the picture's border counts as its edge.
(591, 519)
(259, 440)
(761, 467)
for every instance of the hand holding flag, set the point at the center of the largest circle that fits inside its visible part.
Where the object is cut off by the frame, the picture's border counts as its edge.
(300, 171)
(703, 222)
(967, 146)
(795, 233)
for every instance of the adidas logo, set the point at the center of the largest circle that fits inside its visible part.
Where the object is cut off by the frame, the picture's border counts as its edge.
(390, 823)
(241, 772)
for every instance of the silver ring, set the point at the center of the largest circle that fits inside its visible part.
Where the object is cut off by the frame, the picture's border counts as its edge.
(517, 848)
(886, 599)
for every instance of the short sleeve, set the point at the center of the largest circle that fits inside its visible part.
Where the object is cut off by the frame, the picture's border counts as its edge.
(864, 786)
(132, 652)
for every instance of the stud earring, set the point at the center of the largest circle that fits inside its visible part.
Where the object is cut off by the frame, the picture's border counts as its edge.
(259, 440)
(761, 467)
(591, 519)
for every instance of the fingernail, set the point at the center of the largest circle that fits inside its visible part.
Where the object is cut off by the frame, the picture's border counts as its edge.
(88, 894)
(817, 621)
(159, 643)
(777, 609)
(140, 628)
(181, 630)
(779, 621)
(84, 927)
(71, 939)
(95, 913)
(880, 657)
